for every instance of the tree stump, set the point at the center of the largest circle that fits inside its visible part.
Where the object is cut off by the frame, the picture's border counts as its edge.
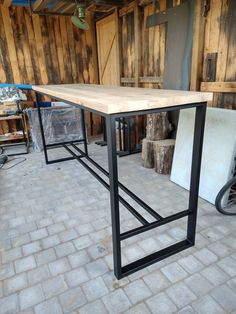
(147, 153)
(163, 155)
(158, 126)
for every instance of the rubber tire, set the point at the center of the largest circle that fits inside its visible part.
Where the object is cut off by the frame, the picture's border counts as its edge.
(220, 195)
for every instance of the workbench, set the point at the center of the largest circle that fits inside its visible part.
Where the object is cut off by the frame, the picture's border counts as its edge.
(115, 102)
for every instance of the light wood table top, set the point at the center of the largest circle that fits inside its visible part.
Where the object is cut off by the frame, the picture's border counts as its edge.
(113, 99)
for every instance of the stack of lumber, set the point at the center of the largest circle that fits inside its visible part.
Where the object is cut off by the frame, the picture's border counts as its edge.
(157, 149)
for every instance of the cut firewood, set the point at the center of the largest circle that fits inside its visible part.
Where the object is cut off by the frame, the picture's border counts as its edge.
(147, 153)
(158, 126)
(163, 155)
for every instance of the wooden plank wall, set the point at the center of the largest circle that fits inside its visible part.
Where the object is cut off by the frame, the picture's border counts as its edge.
(45, 50)
(220, 38)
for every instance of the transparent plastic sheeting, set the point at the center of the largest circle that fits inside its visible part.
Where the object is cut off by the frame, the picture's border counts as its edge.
(60, 125)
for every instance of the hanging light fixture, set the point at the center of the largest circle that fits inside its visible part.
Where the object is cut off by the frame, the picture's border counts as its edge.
(78, 19)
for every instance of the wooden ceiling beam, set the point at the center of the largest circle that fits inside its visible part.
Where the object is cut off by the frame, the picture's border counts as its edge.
(70, 8)
(40, 5)
(7, 3)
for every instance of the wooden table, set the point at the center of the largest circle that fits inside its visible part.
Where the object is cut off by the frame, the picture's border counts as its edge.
(112, 103)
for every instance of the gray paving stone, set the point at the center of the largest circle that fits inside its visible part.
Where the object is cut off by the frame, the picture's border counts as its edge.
(137, 291)
(54, 286)
(1, 289)
(228, 265)
(31, 248)
(190, 264)
(174, 272)
(25, 264)
(51, 306)
(198, 284)
(112, 283)
(64, 249)
(133, 252)
(82, 242)
(224, 296)
(11, 255)
(177, 233)
(76, 277)
(45, 257)
(9, 305)
(232, 284)
(187, 310)
(148, 245)
(220, 249)
(20, 240)
(206, 256)
(180, 294)
(6, 271)
(72, 299)
(93, 307)
(59, 266)
(97, 268)
(56, 228)
(79, 259)
(161, 304)
(61, 217)
(97, 251)
(38, 234)
(156, 281)
(50, 241)
(15, 284)
(68, 235)
(215, 275)
(208, 305)
(116, 302)
(15, 222)
(27, 311)
(85, 229)
(31, 296)
(44, 222)
(27, 227)
(165, 239)
(94, 289)
(38, 275)
(140, 308)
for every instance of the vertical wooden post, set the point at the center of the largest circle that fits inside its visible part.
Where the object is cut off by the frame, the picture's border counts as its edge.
(137, 43)
(198, 46)
(137, 59)
(93, 41)
(118, 46)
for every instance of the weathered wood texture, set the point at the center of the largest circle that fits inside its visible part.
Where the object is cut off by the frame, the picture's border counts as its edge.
(46, 50)
(43, 50)
(215, 33)
(163, 155)
(220, 38)
(147, 153)
(158, 126)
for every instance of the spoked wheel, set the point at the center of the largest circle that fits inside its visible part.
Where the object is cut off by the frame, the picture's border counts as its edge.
(226, 199)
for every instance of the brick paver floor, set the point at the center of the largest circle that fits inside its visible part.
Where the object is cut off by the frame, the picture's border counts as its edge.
(56, 252)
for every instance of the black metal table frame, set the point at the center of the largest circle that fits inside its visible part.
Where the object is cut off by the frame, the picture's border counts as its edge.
(114, 185)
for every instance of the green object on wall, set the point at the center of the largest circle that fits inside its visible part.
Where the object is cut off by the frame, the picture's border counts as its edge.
(78, 19)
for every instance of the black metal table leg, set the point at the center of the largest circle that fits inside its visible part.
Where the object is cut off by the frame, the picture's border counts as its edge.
(84, 131)
(114, 195)
(41, 129)
(200, 116)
